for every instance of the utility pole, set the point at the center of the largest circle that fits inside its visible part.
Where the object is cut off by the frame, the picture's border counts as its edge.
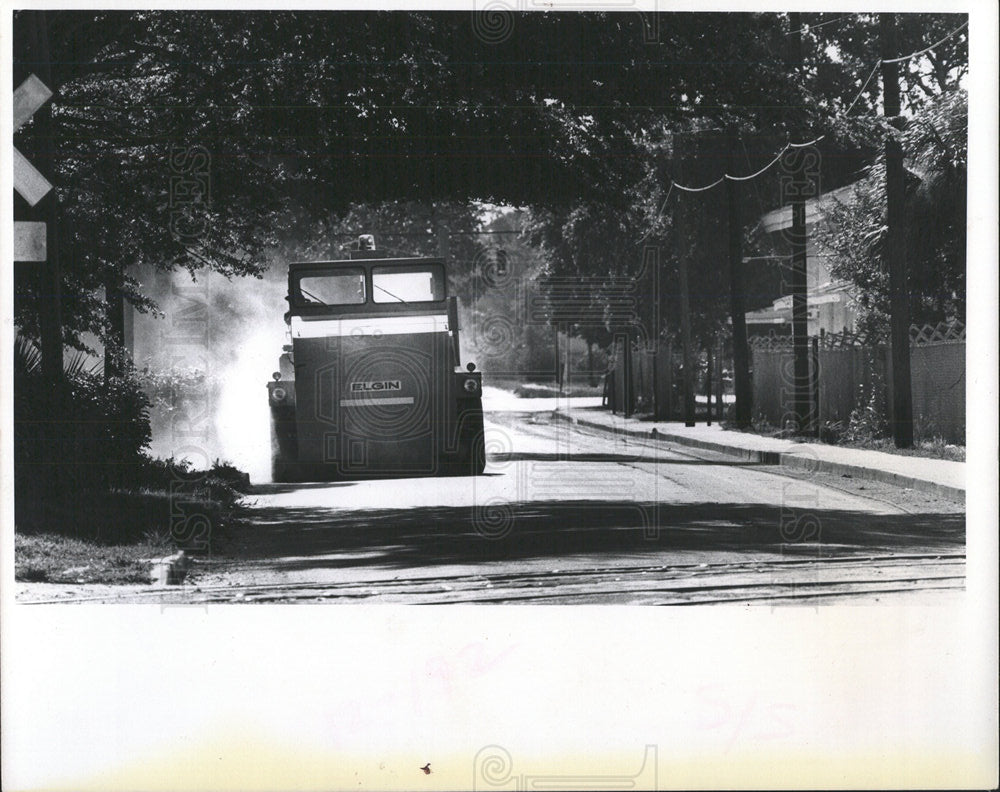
(655, 360)
(799, 281)
(800, 313)
(49, 272)
(895, 243)
(737, 310)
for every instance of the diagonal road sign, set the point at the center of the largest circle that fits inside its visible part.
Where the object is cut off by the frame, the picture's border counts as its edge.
(28, 97)
(29, 183)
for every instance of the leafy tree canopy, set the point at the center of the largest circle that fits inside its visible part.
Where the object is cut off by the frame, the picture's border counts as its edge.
(823, 78)
(304, 114)
(935, 150)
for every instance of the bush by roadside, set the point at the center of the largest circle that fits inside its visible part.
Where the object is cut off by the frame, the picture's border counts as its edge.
(192, 508)
(866, 428)
(85, 433)
(86, 494)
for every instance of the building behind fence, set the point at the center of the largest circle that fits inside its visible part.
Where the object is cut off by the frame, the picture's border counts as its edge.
(846, 373)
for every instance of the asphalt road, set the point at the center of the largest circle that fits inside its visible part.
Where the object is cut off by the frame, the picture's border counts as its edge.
(566, 515)
(569, 515)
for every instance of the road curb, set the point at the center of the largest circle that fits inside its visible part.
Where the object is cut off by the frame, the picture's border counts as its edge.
(169, 571)
(789, 459)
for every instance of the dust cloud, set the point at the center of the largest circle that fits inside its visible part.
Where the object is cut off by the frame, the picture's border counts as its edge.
(211, 354)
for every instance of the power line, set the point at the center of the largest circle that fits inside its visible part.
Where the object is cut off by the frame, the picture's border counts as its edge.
(773, 162)
(863, 87)
(927, 49)
(726, 176)
(790, 145)
(807, 27)
(430, 234)
(716, 183)
(900, 59)
(760, 199)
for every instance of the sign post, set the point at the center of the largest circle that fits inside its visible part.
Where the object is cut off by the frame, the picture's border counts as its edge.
(31, 242)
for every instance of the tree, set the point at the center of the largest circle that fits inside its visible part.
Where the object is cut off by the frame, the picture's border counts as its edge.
(450, 229)
(728, 72)
(138, 176)
(504, 326)
(935, 151)
(844, 50)
(174, 148)
(332, 110)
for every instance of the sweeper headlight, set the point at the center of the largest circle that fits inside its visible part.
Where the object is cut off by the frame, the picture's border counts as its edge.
(279, 394)
(470, 385)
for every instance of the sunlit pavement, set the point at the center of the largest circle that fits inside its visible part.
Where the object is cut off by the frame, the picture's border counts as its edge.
(572, 515)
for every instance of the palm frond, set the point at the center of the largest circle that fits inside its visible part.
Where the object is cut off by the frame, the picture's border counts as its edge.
(80, 363)
(27, 356)
(28, 360)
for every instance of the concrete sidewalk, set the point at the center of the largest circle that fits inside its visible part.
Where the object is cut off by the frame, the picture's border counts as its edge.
(938, 476)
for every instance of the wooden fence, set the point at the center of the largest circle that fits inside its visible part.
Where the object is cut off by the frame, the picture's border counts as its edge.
(846, 369)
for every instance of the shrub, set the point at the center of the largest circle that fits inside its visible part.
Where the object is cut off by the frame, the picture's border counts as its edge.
(831, 431)
(168, 390)
(82, 471)
(868, 421)
(230, 476)
(222, 482)
(89, 432)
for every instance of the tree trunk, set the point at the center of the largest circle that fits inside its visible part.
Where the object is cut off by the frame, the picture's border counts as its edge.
(689, 416)
(737, 311)
(685, 302)
(114, 308)
(708, 383)
(800, 311)
(628, 392)
(720, 387)
(556, 357)
(670, 379)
